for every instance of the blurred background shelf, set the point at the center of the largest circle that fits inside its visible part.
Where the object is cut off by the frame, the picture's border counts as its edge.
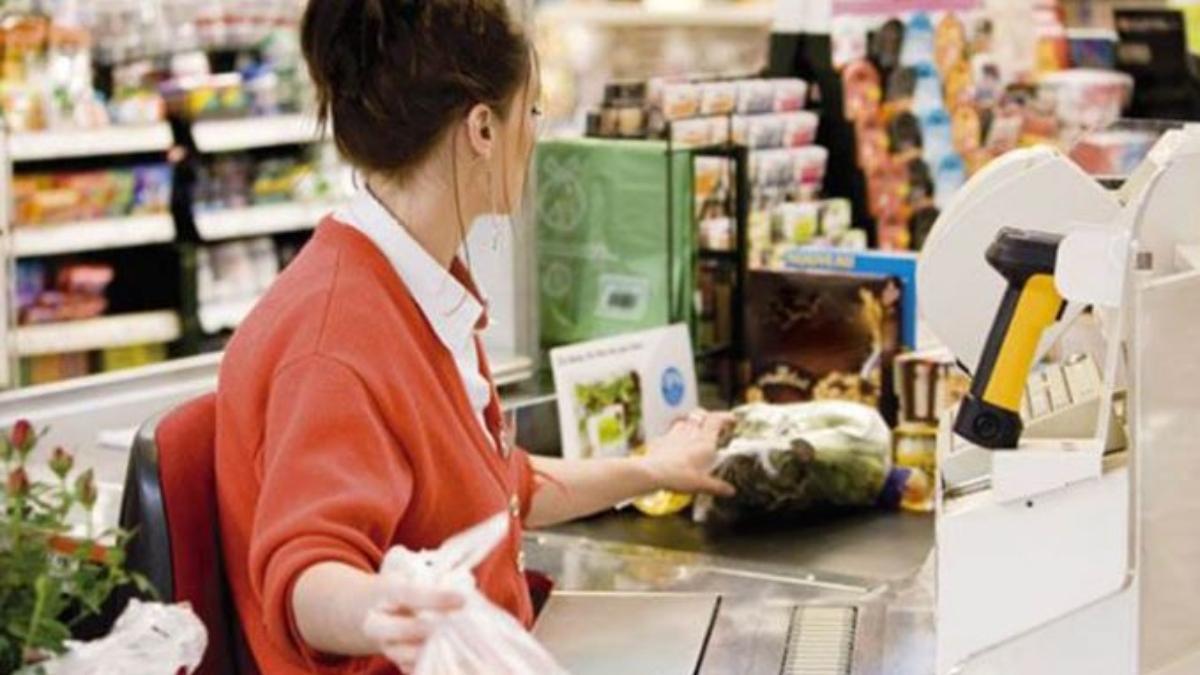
(227, 315)
(93, 235)
(121, 330)
(254, 132)
(262, 219)
(32, 146)
(748, 15)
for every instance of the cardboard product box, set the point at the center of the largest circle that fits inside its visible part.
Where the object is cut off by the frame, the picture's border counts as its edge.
(822, 336)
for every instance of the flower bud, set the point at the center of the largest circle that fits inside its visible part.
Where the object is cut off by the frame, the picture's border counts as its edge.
(61, 462)
(21, 436)
(18, 482)
(85, 489)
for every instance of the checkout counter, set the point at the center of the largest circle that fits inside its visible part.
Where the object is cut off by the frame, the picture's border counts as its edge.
(632, 593)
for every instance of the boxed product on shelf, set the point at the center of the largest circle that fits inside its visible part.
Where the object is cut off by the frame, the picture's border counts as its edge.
(48, 77)
(77, 291)
(230, 277)
(900, 265)
(230, 181)
(48, 198)
(49, 368)
(821, 336)
(134, 356)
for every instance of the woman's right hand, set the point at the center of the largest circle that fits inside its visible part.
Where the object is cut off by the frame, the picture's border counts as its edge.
(396, 625)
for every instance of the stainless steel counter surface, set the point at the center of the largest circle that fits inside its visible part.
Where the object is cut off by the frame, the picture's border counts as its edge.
(894, 637)
(878, 545)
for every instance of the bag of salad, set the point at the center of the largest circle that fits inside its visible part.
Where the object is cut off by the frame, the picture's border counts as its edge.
(793, 459)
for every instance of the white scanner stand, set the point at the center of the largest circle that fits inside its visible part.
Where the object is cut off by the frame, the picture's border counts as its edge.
(1064, 559)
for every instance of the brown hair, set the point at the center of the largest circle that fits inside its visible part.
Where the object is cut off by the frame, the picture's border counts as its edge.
(393, 75)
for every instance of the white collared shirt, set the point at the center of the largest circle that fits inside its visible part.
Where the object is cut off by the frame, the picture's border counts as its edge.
(448, 306)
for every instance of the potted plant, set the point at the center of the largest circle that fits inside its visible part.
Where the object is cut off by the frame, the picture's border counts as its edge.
(50, 580)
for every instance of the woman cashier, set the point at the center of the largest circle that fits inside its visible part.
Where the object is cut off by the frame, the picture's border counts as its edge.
(355, 410)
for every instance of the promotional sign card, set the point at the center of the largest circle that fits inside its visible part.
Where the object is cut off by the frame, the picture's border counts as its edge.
(615, 393)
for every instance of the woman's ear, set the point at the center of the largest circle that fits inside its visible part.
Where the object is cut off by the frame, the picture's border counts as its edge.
(481, 131)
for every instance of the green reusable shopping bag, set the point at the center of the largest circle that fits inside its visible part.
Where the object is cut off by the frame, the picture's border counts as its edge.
(615, 246)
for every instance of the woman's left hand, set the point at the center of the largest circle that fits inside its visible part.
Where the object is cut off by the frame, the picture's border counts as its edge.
(682, 459)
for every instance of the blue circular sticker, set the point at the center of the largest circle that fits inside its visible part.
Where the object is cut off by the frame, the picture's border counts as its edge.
(673, 386)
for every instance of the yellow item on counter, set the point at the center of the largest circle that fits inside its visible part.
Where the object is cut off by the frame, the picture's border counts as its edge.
(662, 502)
(916, 449)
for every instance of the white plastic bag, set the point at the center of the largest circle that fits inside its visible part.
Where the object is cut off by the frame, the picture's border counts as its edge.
(149, 638)
(480, 638)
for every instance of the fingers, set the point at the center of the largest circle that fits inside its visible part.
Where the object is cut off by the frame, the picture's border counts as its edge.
(715, 423)
(716, 487)
(399, 594)
(386, 628)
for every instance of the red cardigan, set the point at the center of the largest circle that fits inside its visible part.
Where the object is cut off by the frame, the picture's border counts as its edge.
(343, 429)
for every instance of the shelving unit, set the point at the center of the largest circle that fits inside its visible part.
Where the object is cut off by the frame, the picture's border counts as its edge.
(212, 136)
(100, 333)
(218, 316)
(261, 220)
(39, 146)
(92, 235)
(612, 15)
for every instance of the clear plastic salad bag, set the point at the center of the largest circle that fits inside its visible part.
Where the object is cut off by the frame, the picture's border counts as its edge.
(480, 638)
(794, 459)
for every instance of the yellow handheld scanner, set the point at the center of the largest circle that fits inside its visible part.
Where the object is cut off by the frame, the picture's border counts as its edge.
(990, 415)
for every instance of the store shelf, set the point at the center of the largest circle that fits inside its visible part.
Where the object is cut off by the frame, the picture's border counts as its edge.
(93, 235)
(756, 15)
(102, 333)
(254, 132)
(218, 316)
(35, 146)
(261, 220)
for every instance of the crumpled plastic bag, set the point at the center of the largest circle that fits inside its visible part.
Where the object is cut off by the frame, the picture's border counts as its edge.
(794, 459)
(480, 638)
(149, 638)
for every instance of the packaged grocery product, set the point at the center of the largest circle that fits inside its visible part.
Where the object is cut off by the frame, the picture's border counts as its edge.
(700, 131)
(680, 100)
(808, 164)
(836, 216)
(755, 97)
(918, 45)
(789, 461)
(949, 42)
(151, 189)
(821, 335)
(937, 136)
(916, 449)
(927, 96)
(1085, 98)
(772, 168)
(863, 91)
(796, 223)
(790, 94)
(799, 128)
(886, 44)
(759, 131)
(718, 98)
